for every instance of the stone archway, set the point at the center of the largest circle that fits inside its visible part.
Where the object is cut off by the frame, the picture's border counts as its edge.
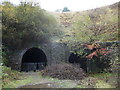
(76, 59)
(33, 59)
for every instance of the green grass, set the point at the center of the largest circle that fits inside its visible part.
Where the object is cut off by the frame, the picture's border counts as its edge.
(103, 75)
(105, 80)
(11, 78)
(79, 86)
(18, 83)
(103, 84)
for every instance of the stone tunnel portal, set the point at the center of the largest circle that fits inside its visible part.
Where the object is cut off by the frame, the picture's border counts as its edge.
(33, 59)
(75, 58)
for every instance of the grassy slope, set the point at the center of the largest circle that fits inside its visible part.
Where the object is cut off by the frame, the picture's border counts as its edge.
(103, 22)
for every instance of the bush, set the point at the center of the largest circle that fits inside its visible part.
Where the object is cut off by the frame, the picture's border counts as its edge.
(109, 62)
(114, 57)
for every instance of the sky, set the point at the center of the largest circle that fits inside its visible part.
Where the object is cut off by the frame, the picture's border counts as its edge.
(73, 5)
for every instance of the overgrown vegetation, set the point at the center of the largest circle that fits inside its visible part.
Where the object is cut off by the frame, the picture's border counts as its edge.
(24, 25)
(101, 80)
(9, 75)
(96, 25)
(27, 24)
(12, 79)
(92, 26)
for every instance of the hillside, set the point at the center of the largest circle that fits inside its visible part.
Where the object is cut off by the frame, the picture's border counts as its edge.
(95, 25)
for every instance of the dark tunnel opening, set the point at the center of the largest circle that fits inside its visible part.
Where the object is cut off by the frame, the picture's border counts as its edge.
(77, 59)
(33, 59)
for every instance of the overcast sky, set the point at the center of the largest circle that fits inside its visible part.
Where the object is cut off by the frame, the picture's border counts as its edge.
(74, 5)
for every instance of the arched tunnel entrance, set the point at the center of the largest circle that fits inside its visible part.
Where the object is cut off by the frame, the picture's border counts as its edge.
(77, 59)
(33, 59)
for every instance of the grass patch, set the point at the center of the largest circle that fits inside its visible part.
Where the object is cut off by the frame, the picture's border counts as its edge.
(103, 84)
(102, 75)
(105, 80)
(18, 83)
(13, 79)
(9, 75)
(79, 86)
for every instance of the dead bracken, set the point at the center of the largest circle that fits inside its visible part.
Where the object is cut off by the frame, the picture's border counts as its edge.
(64, 71)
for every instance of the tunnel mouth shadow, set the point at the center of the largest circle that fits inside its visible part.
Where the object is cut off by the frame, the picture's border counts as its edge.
(33, 59)
(77, 59)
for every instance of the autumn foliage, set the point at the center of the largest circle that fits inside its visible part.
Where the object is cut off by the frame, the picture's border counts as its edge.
(97, 50)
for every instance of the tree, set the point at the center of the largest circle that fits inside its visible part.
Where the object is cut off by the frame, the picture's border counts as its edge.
(65, 9)
(24, 25)
(94, 26)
